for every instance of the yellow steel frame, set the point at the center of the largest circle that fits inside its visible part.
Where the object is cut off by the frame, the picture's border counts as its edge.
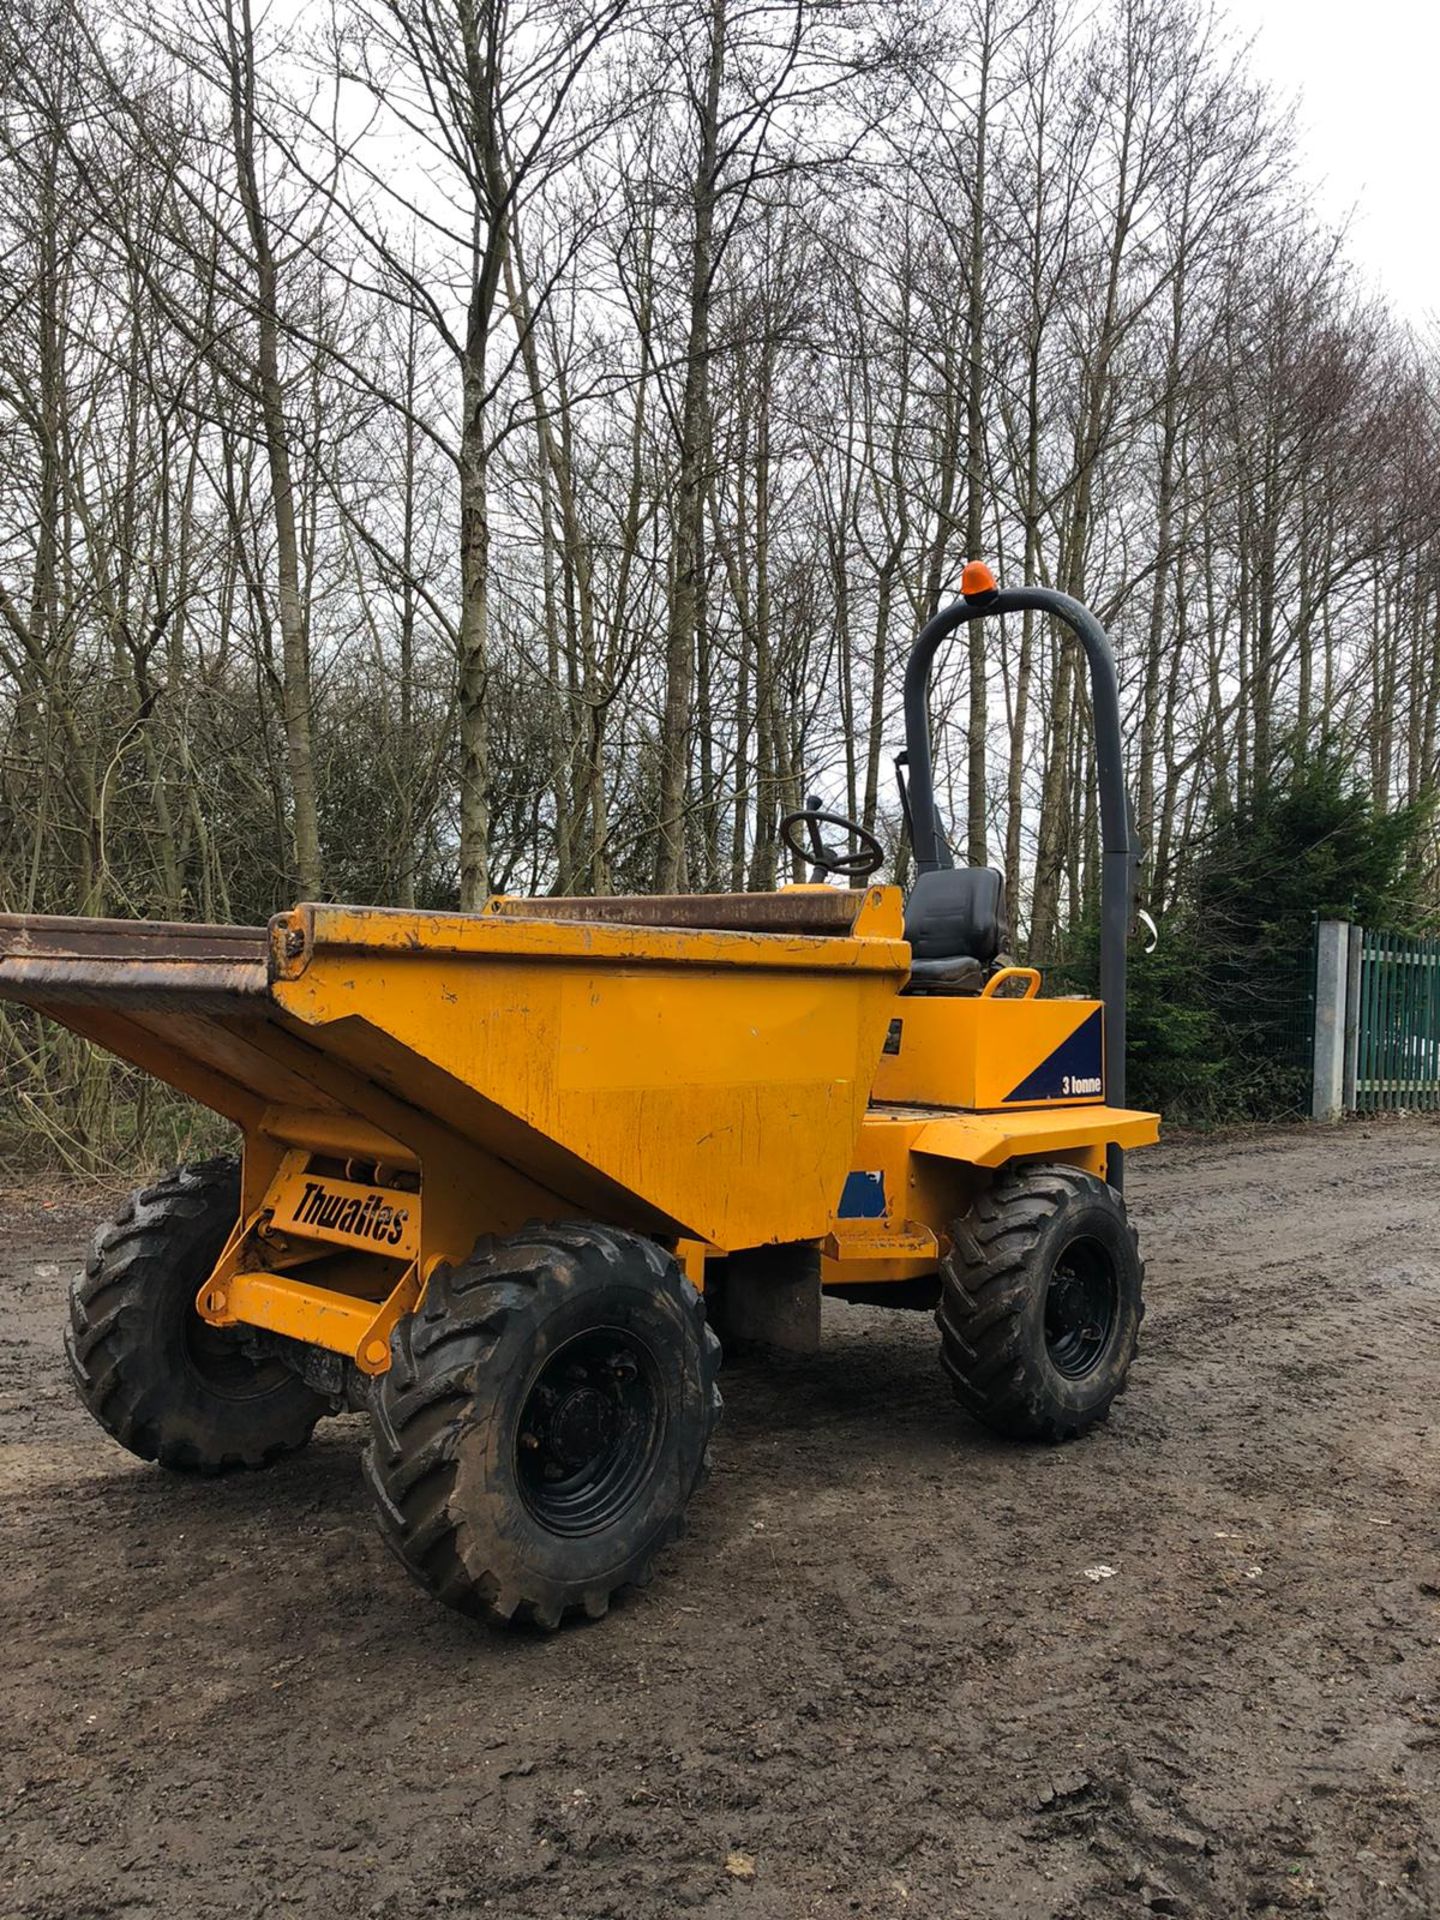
(407, 1082)
(932, 1163)
(310, 1222)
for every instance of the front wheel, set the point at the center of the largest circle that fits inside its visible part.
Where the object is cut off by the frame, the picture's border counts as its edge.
(148, 1368)
(1041, 1303)
(543, 1423)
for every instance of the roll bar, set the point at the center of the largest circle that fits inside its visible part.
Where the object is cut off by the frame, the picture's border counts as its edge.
(1120, 857)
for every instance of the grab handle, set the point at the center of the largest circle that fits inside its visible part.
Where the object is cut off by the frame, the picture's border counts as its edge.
(1030, 975)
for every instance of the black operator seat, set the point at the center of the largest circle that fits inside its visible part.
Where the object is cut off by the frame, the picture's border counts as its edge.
(955, 923)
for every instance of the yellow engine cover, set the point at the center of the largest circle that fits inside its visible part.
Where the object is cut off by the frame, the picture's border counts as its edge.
(981, 1054)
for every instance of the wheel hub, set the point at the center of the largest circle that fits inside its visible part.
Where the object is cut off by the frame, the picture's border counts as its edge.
(589, 1431)
(1082, 1303)
(582, 1426)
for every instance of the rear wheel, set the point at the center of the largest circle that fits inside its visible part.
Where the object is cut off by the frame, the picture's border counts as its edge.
(158, 1379)
(543, 1422)
(1041, 1303)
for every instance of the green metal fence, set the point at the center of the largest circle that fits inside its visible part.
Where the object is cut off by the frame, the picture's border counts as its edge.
(1397, 1060)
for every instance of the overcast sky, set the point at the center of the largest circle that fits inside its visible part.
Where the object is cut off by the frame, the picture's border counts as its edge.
(1369, 126)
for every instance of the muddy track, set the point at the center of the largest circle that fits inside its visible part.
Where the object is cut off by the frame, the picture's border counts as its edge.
(878, 1664)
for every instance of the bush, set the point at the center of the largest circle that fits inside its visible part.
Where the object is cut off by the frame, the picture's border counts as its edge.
(1219, 1014)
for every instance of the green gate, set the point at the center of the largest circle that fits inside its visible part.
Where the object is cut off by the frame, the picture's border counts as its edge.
(1397, 1057)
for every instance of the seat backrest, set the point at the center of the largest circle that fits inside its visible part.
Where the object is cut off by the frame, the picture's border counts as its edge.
(959, 910)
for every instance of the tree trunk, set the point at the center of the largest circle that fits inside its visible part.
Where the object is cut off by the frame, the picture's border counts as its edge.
(296, 697)
(685, 582)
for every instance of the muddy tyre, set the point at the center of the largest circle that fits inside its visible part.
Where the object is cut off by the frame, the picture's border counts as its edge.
(1041, 1303)
(156, 1377)
(543, 1423)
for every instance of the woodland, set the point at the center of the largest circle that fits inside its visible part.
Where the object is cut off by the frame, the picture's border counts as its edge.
(450, 446)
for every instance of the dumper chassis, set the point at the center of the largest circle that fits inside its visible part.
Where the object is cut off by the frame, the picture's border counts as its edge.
(506, 1176)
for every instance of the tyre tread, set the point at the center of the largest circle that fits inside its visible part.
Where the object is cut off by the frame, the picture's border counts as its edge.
(114, 1371)
(424, 1407)
(986, 1284)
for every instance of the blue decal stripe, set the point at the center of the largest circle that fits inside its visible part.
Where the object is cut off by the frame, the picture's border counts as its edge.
(864, 1197)
(1078, 1058)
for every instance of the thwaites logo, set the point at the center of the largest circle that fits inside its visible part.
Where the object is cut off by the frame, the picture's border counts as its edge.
(372, 1218)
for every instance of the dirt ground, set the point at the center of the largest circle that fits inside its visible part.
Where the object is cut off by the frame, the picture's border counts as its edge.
(1190, 1665)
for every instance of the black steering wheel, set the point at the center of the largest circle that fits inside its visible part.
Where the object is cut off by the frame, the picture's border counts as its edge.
(867, 854)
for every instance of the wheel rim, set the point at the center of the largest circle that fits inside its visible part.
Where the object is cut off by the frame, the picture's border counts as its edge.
(589, 1431)
(1082, 1304)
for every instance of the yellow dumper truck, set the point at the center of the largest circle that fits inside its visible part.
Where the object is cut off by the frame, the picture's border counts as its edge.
(506, 1175)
